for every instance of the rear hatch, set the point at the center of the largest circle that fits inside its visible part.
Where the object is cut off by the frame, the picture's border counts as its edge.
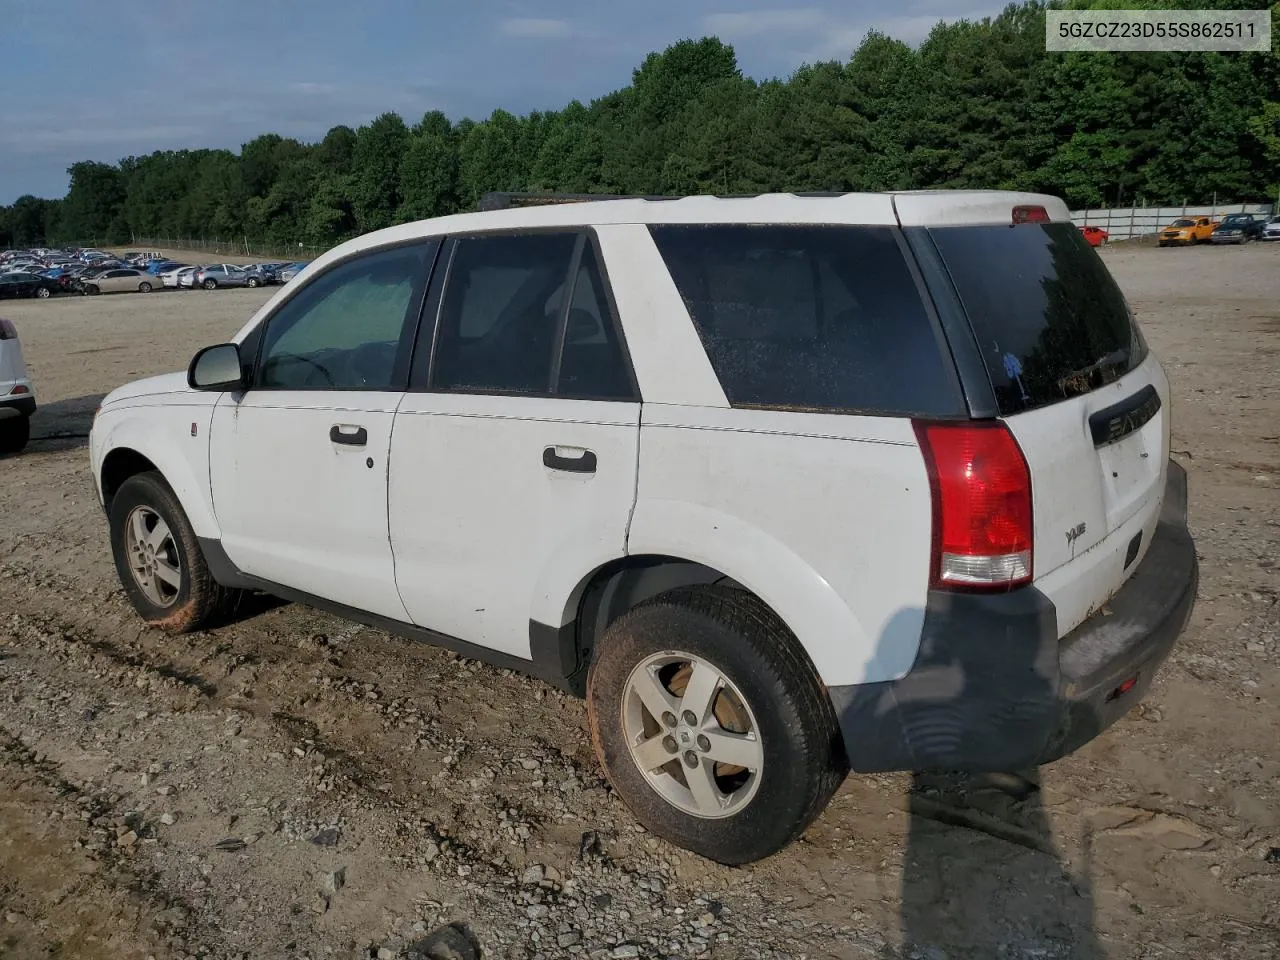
(1074, 383)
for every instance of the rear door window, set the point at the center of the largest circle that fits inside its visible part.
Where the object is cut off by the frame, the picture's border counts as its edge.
(593, 361)
(501, 311)
(823, 318)
(1050, 321)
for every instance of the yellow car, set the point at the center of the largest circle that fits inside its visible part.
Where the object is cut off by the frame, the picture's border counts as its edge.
(1188, 230)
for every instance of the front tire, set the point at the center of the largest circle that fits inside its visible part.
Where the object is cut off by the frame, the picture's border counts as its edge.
(15, 432)
(211, 284)
(252, 282)
(712, 724)
(158, 559)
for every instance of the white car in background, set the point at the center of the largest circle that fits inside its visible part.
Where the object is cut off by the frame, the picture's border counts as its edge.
(1272, 230)
(17, 396)
(173, 278)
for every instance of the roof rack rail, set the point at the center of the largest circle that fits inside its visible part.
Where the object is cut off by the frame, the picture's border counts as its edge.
(505, 201)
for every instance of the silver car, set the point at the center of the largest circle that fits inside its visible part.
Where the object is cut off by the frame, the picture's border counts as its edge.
(120, 280)
(1272, 230)
(217, 275)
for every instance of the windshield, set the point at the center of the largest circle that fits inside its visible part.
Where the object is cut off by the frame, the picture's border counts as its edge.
(1184, 223)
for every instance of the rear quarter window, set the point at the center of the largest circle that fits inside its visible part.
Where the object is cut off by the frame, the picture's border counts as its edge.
(824, 318)
(1049, 319)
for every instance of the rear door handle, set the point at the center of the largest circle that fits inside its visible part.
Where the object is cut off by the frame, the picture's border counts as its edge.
(586, 463)
(348, 435)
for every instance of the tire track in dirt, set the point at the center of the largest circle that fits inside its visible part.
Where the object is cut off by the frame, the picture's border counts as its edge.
(468, 826)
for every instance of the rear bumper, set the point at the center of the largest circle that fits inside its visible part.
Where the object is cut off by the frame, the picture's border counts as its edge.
(994, 689)
(23, 406)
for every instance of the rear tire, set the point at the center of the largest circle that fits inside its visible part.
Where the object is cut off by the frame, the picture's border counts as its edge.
(158, 559)
(43, 293)
(761, 680)
(14, 434)
(144, 287)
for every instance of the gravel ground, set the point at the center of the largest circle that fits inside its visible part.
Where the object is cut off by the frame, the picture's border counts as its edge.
(295, 786)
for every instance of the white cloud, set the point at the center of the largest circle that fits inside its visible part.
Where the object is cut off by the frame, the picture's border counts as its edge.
(535, 28)
(811, 34)
(754, 23)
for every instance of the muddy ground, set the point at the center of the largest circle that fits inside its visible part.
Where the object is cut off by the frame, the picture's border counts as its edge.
(297, 786)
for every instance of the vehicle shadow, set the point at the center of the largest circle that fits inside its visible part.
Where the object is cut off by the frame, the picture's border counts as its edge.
(983, 878)
(64, 424)
(982, 875)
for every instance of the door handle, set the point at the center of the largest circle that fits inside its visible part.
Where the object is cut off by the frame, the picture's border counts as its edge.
(344, 434)
(586, 463)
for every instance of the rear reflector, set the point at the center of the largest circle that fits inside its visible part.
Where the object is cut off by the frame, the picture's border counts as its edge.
(982, 519)
(1030, 215)
(1121, 690)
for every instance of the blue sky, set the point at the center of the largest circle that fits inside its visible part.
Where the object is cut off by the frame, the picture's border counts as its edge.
(101, 81)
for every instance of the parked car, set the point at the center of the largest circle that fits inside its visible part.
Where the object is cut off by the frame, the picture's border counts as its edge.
(120, 280)
(1272, 230)
(187, 278)
(1095, 235)
(743, 628)
(170, 277)
(1186, 231)
(17, 395)
(22, 284)
(1238, 228)
(86, 274)
(157, 267)
(223, 275)
(287, 273)
(260, 274)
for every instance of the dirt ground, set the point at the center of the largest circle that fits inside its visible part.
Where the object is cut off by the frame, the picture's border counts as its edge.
(297, 786)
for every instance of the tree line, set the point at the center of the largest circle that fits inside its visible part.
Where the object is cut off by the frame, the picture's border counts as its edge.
(976, 105)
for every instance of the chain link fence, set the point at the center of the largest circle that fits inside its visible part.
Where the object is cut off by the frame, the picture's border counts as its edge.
(1126, 223)
(242, 247)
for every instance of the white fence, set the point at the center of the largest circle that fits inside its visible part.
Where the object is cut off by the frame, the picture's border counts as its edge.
(1126, 222)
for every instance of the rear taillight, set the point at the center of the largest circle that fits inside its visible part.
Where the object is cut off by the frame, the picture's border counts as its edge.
(982, 520)
(1028, 214)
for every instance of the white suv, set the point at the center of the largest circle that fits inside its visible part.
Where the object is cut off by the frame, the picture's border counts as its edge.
(784, 485)
(17, 396)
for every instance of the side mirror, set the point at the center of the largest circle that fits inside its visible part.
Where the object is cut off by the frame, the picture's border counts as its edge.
(216, 368)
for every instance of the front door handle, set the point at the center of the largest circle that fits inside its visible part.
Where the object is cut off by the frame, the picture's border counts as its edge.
(348, 435)
(585, 463)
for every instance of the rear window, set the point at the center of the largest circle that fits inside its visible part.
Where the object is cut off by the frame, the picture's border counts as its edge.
(811, 317)
(1050, 320)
